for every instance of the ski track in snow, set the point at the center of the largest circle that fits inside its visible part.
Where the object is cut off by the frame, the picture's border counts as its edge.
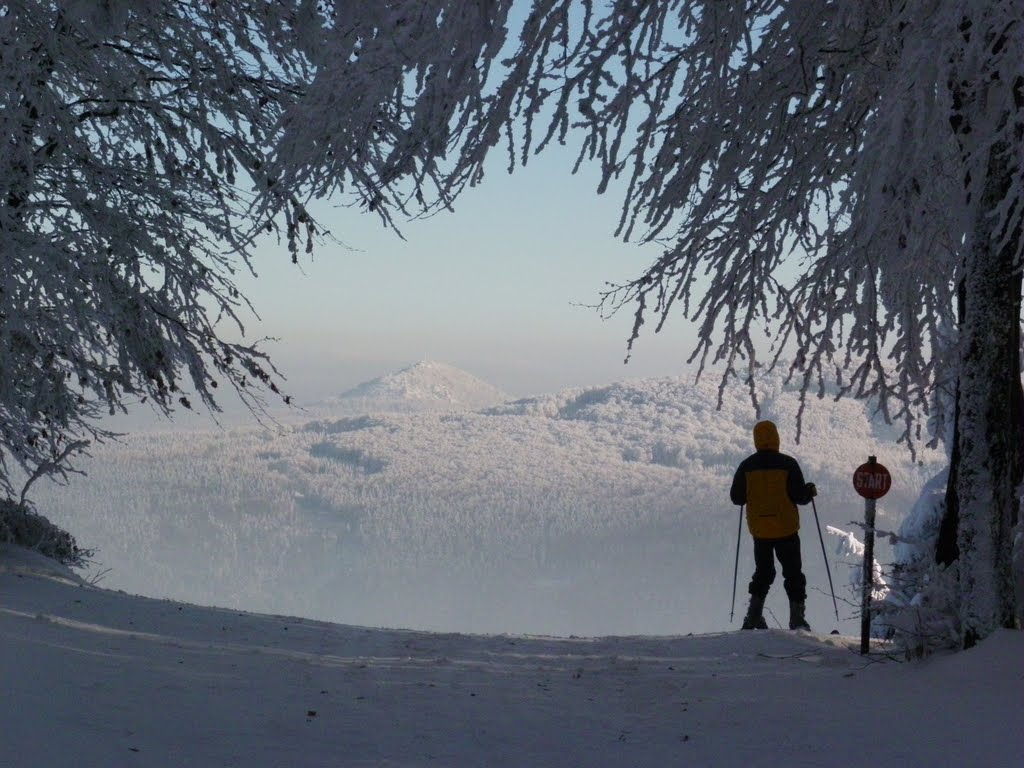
(100, 678)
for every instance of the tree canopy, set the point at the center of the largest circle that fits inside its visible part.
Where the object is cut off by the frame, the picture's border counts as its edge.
(794, 158)
(124, 213)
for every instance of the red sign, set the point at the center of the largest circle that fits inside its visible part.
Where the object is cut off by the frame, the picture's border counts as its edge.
(872, 480)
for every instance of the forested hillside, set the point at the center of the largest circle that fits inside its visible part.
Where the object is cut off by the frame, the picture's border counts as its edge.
(590, 511)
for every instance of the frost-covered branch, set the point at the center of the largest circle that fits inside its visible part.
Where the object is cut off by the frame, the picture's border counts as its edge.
(137, 178)
(132, 129)
(801, 161)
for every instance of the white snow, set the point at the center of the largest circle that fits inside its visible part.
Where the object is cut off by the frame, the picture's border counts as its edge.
(850, 546)
(100, 679)
(423, 386)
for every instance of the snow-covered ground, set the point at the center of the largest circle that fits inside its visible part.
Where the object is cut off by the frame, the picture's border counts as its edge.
(100, 679)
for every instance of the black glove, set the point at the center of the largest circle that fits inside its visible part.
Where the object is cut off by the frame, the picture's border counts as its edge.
(812, 490)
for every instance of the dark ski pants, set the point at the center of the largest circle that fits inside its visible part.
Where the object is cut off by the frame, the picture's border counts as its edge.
(788, 552)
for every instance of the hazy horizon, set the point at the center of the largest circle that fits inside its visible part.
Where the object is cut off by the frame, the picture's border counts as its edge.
(503, 286)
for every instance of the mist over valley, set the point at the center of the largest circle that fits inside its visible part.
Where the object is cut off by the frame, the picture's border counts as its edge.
(424, 499)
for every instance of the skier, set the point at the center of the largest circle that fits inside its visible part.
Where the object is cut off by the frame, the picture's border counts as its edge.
(771, 484)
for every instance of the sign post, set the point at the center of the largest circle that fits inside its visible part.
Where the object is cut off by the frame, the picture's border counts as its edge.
(872, 481)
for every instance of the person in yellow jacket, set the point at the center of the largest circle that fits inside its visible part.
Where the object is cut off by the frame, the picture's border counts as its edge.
(771, 485)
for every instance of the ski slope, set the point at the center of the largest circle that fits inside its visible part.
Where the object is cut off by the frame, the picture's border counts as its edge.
(101, 679)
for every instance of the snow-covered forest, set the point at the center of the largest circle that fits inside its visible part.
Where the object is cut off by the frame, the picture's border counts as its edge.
(590, 511)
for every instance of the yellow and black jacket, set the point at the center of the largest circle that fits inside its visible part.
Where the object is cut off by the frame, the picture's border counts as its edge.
(771, 484)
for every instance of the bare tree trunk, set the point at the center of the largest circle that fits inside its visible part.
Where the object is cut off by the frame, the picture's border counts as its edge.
(989, 417)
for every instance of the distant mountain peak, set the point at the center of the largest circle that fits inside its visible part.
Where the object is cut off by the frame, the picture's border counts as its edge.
(428, 384)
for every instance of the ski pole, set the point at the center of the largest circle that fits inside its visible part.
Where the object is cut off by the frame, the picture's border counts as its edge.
(736, 566)
(823, 554)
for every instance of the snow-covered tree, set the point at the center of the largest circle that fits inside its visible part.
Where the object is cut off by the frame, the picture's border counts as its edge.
(131, 131)
(844, 179)
(134, 185)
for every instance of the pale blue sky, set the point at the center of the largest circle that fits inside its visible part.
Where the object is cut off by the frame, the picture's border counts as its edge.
(492, 288)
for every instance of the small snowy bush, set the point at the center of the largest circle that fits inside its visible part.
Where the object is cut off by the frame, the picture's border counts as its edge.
(22, 525)
(915, 601)
(922, 604)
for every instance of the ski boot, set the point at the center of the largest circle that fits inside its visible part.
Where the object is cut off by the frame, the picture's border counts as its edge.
(754, 618)
(796, 616)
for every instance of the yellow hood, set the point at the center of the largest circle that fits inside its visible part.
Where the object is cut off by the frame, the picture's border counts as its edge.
(766, 436)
